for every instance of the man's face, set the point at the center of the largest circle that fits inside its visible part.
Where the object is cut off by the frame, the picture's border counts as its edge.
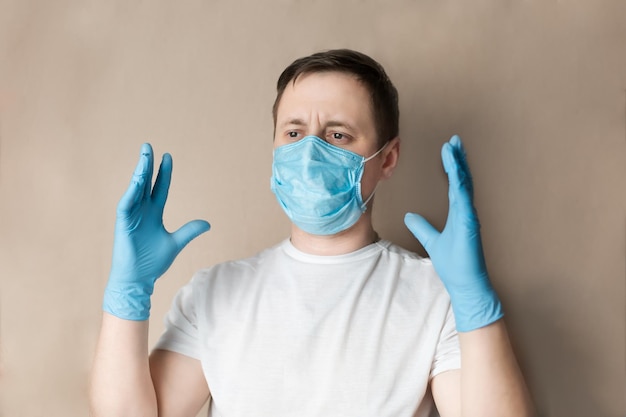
(336, 107)
(331, 105)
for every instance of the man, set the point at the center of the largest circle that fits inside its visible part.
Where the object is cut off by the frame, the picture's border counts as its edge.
(331, 322)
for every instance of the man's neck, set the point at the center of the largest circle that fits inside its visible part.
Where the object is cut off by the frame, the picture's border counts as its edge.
(350, 240)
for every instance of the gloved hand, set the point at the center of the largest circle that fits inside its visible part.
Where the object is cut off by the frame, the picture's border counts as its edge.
(457, 252)
(143, 250)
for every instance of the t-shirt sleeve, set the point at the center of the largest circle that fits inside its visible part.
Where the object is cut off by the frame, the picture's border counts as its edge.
(181, 325)
(448, 353)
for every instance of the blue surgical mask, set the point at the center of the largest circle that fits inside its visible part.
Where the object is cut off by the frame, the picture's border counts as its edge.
(318, 185)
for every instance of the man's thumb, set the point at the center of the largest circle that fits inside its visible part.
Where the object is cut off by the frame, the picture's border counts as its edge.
(190, 231)
(421, 229)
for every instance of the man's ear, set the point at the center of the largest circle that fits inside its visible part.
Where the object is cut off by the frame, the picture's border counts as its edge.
(391, 153)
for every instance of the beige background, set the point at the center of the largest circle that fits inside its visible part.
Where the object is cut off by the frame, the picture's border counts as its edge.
(537, 89)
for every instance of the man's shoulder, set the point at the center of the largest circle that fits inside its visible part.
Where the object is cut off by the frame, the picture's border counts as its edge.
(396, 250)
(412, 267)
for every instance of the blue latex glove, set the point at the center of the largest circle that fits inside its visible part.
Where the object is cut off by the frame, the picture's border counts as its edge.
(457, 252)
(143, 250)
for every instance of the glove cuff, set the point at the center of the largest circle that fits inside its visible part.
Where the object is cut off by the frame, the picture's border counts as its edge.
(474, 312)
(127, 301)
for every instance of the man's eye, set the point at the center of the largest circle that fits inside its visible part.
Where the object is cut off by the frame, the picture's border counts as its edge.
(338, 136)
(293, 134)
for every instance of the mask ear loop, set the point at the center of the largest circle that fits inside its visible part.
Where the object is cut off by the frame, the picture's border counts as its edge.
(364, 206)
(375, 153)
(367, 200)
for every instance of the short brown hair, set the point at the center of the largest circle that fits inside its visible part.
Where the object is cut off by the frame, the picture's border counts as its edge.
(369, 72)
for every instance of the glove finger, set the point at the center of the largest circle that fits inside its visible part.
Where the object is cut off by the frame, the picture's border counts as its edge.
(146, 150)
(459, 179)
(189, 231)
(136, 188)
(162, 183)
(465, 175)
(421, 229)
(449, 165)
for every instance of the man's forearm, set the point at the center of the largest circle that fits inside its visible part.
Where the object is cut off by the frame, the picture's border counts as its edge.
(491, 381)
(120, 383)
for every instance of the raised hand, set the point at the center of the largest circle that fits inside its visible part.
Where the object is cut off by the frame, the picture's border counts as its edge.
(143, 250)
(457, 252)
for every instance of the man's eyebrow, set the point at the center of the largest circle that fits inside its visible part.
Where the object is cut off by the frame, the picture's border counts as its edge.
(338, 123)
(330, 123)
(293, 122)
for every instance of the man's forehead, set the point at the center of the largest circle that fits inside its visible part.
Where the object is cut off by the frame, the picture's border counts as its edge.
(344, 77)
(329, 98)
(329, 89)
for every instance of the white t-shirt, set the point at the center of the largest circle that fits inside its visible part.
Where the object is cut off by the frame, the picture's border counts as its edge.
(286, 333)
